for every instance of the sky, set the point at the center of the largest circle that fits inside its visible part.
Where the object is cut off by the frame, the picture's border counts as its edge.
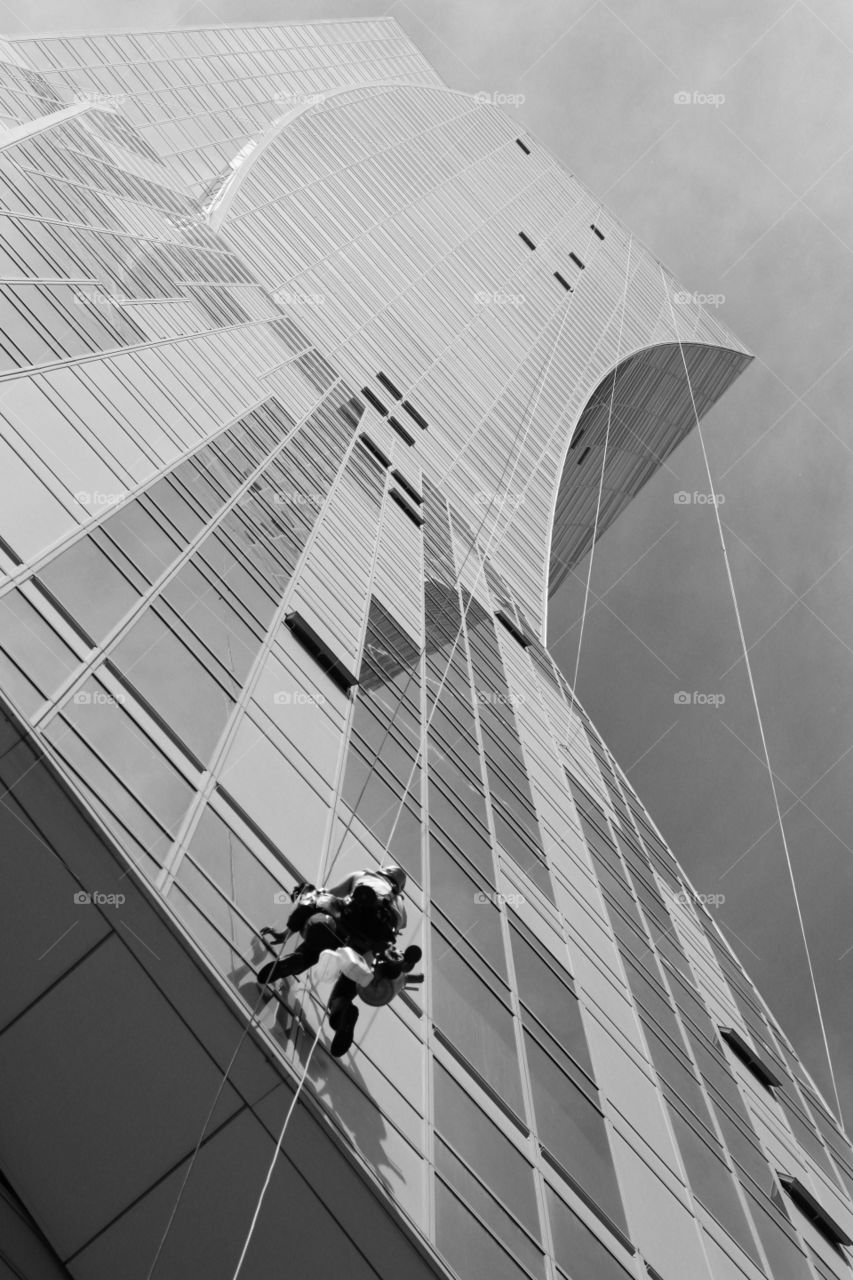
(744, 193)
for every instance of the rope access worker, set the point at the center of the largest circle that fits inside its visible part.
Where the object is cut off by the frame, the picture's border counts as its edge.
(364, 912)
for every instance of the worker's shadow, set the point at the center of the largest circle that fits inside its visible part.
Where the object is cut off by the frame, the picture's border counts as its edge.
(348, 1101)
(342, 1088)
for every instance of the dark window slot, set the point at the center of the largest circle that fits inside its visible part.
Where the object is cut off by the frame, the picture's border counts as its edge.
(563, 282)
(351, 411)
(577, 437)
(749, 1057)
(400, 429)
(583, 455)
(514, 631)
(375, 401)
(373, 448)
(410, 511)
(525, 149)
(389, 386)
(594, 228)
(526, 240)
(814, 1211)
(576, 260)
(336, 670)
(407, 487)
(413, 413)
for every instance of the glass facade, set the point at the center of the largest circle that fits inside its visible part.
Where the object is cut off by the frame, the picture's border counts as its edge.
(289, 411)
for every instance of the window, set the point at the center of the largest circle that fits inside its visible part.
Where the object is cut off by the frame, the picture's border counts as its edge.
(389, 386)
(410, 511)
(526, 240)
(375, 401)
(572, 1131)
(89, 587)
(583, 455)
(524, 148)
(576, 260)
(578, 1251)
(814, 1211)
(320, 651)
(373, 448)
(407, 487)
(466, 1244)
(474, 1022)
(468, 907)
(514, 631)
(562, 280)
(749, 1057)
(401, 430)
(595, 229)
(413, 413)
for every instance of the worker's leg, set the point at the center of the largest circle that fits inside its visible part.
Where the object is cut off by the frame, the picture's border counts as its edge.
(318, 935)
(343, 1015)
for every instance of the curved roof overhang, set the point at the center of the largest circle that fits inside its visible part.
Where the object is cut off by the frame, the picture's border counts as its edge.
(651, 399)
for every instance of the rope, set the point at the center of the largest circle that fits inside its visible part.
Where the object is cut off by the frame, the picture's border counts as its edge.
(275, 1153)
(600, 486)
(758, 717)
(494, 541)
(255, 1010)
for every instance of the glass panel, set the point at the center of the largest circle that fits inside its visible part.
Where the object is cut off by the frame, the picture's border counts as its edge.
(33, 644)
(577, 1249)
(175, 683)
(466, 1244)
(475, 1021)
(468, 907)
(573, 1130)
(494, 1158)
(477, 1198)
(87, 583)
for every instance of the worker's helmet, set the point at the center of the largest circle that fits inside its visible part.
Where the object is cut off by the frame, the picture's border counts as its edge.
(396, 875)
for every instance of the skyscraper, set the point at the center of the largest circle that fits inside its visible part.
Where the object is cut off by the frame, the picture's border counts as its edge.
(318, 377)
